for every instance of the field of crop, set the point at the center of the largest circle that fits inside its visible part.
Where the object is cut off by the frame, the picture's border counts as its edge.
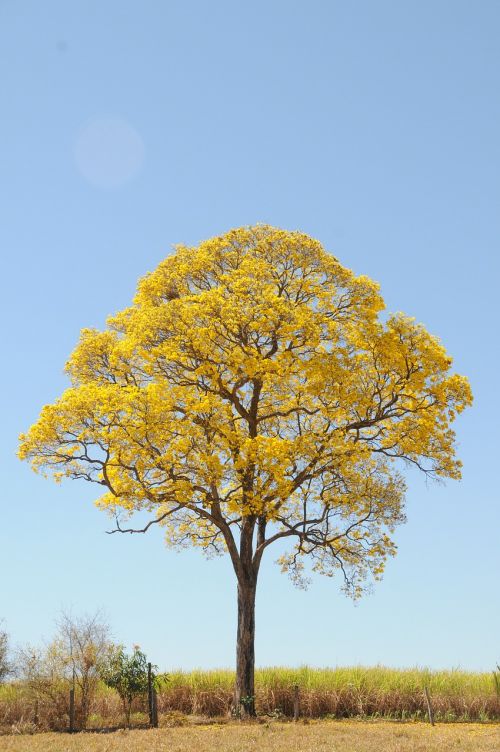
(343, 692)
(340, 693)
(334, 736)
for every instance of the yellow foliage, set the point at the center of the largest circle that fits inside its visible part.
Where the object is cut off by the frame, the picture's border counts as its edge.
(254, 383)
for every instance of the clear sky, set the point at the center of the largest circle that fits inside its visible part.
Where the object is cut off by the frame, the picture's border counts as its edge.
(129, 126)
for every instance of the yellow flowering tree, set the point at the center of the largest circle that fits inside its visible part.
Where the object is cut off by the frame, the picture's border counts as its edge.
(254, 395)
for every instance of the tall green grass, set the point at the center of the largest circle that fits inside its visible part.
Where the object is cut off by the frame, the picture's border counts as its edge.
(341, 692)
(380, 678)
(337, 692)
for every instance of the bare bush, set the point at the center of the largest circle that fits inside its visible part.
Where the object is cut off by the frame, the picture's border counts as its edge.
(73, 659)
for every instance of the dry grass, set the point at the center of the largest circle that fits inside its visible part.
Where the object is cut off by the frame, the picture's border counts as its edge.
(334, 736)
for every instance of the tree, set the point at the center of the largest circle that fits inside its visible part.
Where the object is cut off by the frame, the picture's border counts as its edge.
(43, 676)
(83, 643)
(73, 658)
(128, 674)
(5, 667)
(254, 393)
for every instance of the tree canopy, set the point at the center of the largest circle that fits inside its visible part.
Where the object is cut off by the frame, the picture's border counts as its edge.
(128, 674)
(255, 390)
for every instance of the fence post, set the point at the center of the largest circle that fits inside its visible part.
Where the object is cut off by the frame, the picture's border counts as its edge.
(155, 709)
(150, 695)
(35, 716)
(429, 706)
(71, 711)
(296, 702)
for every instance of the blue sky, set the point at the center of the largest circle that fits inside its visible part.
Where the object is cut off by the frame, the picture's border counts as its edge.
(130, 126)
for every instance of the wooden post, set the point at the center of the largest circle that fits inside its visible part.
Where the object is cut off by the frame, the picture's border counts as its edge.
(150, 695)
(296, 702)
(429, 706)
(71, 711)
(155, 709)
(35, 715)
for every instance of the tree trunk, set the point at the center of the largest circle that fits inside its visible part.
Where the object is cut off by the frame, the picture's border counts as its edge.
(127, 707)
(244, 696)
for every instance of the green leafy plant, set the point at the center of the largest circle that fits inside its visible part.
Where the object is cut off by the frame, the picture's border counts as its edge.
(128, 674)
(248, 702)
